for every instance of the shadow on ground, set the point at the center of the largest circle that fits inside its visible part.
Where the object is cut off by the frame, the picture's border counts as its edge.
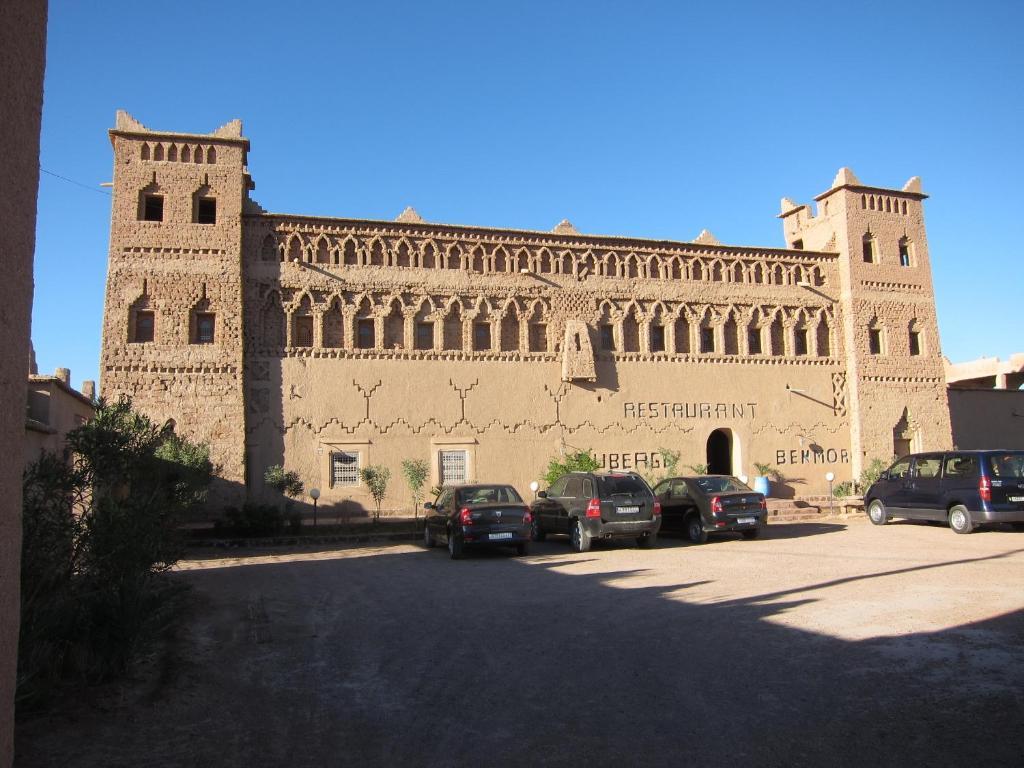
(410, 659)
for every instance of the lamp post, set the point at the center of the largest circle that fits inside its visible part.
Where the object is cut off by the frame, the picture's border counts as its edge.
(314, 494)
(830, 476)
(534, 485)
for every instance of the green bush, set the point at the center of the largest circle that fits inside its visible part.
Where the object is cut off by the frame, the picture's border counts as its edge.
(100, 524)
(376, 478)
(580, 461)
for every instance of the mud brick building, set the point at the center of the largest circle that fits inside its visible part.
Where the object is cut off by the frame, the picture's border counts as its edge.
(329, 344)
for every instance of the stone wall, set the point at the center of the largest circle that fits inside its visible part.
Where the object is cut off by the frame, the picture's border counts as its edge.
(22, 57)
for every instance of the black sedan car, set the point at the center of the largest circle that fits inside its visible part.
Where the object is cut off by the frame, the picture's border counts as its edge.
(697, 506)
(473, 515)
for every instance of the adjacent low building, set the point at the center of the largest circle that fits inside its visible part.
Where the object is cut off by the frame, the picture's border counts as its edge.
(332, 344)
(54, 409)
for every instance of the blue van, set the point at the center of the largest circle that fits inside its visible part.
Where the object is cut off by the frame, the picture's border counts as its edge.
(962, 488)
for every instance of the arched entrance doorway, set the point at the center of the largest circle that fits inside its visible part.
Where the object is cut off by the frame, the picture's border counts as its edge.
(720, 452)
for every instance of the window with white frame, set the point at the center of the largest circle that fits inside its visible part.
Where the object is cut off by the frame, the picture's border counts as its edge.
(452, 465)
(344, 468)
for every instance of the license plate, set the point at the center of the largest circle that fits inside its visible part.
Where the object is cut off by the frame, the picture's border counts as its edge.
(628, 510)
(496, 536)
(1017, 498)
(745, 520)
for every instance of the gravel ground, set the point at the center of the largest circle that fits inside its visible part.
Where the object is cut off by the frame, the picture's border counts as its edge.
(838, 644)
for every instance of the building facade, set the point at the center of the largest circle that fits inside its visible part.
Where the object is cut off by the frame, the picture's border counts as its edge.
(331, 344)
(22, 61)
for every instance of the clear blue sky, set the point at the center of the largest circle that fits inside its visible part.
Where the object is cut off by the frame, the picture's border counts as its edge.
(644, 119)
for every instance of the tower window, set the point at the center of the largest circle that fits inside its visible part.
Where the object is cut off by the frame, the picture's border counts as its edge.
(904, 252)
(144, 323)
(657, 338)
(364, 330)
(875, 341)
(206, 210)
(607, 338)
(204, 328)
(869, 250)
(707, 339)
(424, 335)
(481, 336)
(153, 208)
(915, 343)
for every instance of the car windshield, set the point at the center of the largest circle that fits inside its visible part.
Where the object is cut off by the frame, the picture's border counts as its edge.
(489, 494)
(621, 485)
(722, 484)
(1007, 465)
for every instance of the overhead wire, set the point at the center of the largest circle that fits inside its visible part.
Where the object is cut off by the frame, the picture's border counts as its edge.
(76, 183)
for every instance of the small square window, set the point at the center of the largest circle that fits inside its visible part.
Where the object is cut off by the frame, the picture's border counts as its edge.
(144, 323)
(153, 208)
(707, 339)
(206, 210)
(875, 341)
(915, 343)
(452, 467)
(657, 338)
(481, 336)
(607, 338)
(424, 335)
(344, 468)
(800, 340)
(365, 334)
(204, 328)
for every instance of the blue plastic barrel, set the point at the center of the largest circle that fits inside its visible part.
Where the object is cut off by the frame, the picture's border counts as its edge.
(761, 485)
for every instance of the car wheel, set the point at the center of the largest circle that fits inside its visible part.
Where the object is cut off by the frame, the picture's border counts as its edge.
(695, 530)
(580, 537)
(751, 533)
(648, 541)
(454, 546)
(877, 513)
(536, 532)
(960, 519)
(522, 549)
(428, 537)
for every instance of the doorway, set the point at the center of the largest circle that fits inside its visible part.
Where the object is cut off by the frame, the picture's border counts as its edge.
(720, 452)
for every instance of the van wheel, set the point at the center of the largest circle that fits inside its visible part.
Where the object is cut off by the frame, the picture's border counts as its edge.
(877, 513)
(695, 530)
(960, 519)
(428, 537)
(580, 537)
(1017, 526)
(648, 541)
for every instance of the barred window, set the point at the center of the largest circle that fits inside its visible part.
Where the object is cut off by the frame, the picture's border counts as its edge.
(453, 467)
(344, 468)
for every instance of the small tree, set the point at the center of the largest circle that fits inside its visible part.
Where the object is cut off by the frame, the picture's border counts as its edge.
(376, 478)
(698, 469)
(669, 460)
(870, 474)
(580, 461)
(284, 482)
(415, 472)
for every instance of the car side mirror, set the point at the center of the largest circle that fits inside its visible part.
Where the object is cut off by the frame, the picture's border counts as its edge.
(884, 476)
(542, 494)
(429, 505)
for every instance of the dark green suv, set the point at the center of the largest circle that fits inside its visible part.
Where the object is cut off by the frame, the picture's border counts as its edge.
(597, 505)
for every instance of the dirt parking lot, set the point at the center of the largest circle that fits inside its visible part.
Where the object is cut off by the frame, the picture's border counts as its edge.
(820, 644)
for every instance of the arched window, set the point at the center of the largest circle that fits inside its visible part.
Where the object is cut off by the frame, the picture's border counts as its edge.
(334, 325)
(302, 324)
